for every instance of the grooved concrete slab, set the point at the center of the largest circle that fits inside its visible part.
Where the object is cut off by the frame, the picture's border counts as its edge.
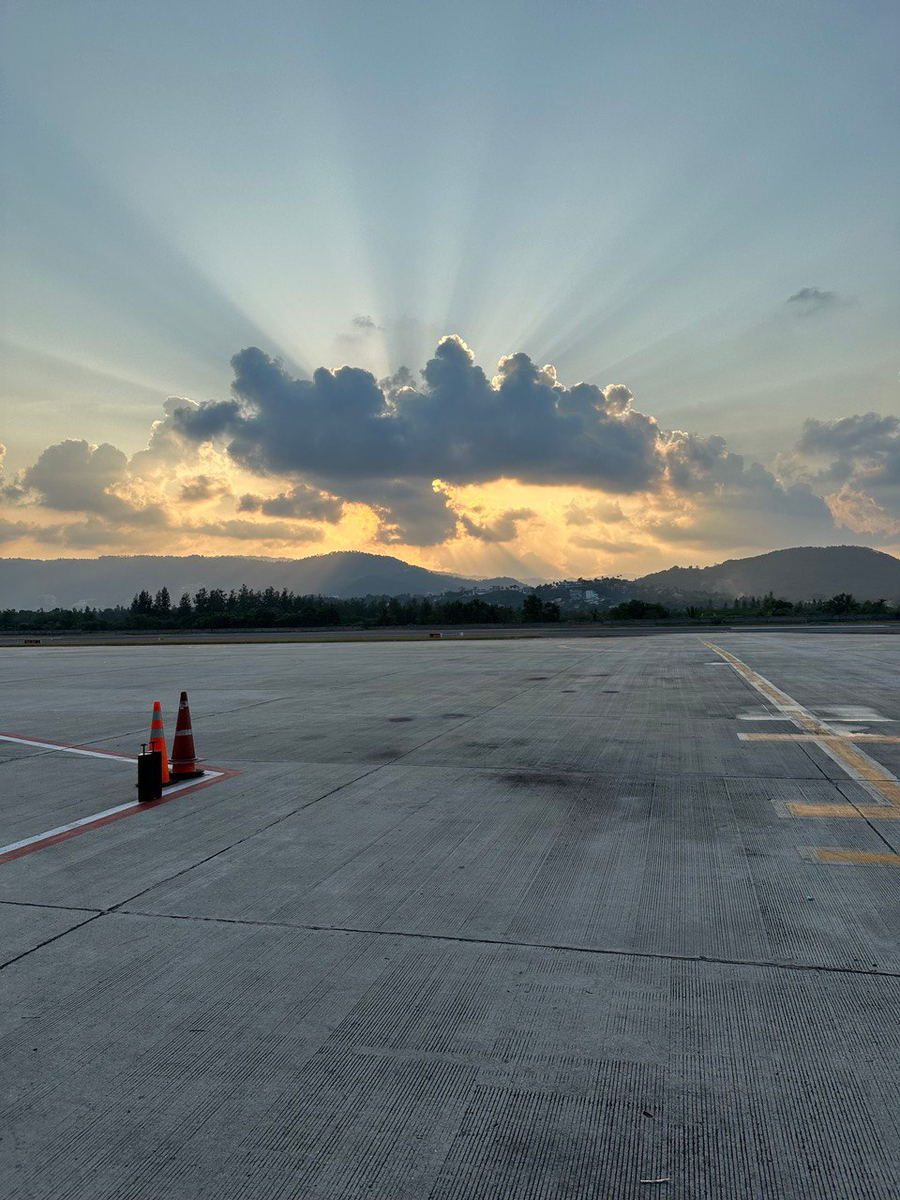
(512, 919)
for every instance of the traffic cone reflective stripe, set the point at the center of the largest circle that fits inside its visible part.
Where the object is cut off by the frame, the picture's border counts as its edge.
(158, 738)
(184, 757)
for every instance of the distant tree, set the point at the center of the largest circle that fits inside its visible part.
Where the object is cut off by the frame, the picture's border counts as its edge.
(185, 610)
(532, 608)
(142, 604)
(840, 605)
(638, 610)
(772, 606)
(162, 604)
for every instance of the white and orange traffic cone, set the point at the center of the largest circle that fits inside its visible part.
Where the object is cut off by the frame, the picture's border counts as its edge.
(184, 757)
(158, 739)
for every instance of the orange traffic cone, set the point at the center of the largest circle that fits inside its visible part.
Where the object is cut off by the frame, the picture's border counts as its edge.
(158, 739)
(184, 757)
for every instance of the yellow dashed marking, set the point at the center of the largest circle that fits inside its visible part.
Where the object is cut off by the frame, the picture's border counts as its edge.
(813, 737)
(855, 762)
(857, 856)
(871, 812)
(838, 746)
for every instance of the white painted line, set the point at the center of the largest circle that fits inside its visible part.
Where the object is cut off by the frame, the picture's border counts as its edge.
(811, 724)
(100, 816)
(854, 712)
(20, 741)
(48, 833)
(862, 720)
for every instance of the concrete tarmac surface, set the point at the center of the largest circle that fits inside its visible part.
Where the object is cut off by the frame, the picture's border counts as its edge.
(598, 918)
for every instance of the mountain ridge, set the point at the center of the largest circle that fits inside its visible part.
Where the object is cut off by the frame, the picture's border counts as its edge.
(798, 573)
(113, 579)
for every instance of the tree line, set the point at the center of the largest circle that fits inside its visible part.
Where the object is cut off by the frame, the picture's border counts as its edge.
(247, 608)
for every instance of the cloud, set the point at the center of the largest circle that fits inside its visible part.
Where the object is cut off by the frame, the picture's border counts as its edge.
(166, 445)
(726, 501)
(92, 533)
(610, 545)
(260, 531)
(455, 424)
(869, 442)
(11, 531)
(857, 510)
(393, 385)
(203, 487)
(811, 300)
(704, 466)
(383, 444)
(606, 511)
(77, 477)
(502, 528)
(451, 455)
(74, 476)
(409, 512)
(855, 461)
(364, 327)
(302, 502)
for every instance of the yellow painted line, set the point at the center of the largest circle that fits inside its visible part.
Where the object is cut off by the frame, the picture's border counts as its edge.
(858, 856)
(813, 737)
(792, 710)
(871, 775)
(871, 812)
(875, 778)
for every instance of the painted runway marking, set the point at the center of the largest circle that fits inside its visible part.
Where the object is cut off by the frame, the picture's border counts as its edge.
(871, 775)
(66, 749)
(814, 737)
(50, 837)
(821, 854)
(856, 712)
(880, 783)
(870, 812)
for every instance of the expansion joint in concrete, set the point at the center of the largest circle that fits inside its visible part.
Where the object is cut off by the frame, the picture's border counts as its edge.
(511, 943)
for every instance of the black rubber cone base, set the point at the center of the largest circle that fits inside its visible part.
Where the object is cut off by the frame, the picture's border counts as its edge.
(181, 776)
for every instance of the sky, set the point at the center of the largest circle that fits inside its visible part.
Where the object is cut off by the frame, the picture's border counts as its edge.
(534, 289)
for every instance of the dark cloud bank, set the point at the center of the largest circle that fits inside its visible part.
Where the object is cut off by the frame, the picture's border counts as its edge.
(810, 300)
(344, 436)
(384, 443)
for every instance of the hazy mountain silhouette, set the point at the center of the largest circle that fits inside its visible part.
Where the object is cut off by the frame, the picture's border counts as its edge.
(110, 580)
(801, 573)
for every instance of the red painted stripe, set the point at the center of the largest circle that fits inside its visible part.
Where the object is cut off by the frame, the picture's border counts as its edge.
(43, 843)
(29, 737)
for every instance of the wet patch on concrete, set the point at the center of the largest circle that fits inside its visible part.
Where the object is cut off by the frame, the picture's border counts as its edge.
(523, 779)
